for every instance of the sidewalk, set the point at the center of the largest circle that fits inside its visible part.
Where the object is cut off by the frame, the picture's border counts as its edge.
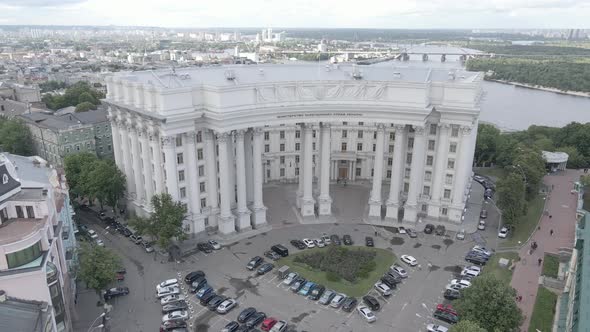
(561, 205)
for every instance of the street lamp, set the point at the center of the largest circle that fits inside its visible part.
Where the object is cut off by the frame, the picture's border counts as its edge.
(97, 318)
(99, 326)
(517, 166)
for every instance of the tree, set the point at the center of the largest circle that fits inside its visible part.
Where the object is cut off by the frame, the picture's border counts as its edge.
(74, 166)
(15, 137)
(466, 326)
(85, 106)
(490, 303)
(98, 266)
(87, 97)
(164, 223)
(101, 179)
(485, 147)
(575, 159)
(531, 162)
(511, 201)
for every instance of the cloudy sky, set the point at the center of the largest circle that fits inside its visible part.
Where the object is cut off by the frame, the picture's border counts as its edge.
(302, 13)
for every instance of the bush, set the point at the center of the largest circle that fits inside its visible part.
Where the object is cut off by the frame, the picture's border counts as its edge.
(349, 264)
(331, 276)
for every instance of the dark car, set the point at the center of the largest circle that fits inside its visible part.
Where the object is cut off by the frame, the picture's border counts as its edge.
(215, 302)
(369, 241)
(335, 239)
(298, 284)
(489, 193)
(347, 240)
(127, 232)
(172, 324)
(446, 316)
(298, 244)
(428, 228)
(198, 284)
(316, 292)
(205, 247)
(389, 281)
(440, 230)
(272, 255)
(243, 328)
(264, 268)
(477, 260)
(483, 214)
(280, 250)
(393, 274)
(452, 294)
(371, 302)
(245, 314)
(115, 292)
(255, 319)
(178, 305)
(208, 297)
(231, 327)
(349, 304)
(189, 278)
(254, 262)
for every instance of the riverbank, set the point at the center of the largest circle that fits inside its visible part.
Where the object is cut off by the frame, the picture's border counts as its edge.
(542, 88)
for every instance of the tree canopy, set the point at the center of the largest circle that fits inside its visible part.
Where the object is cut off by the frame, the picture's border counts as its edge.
(85, 106)
(15, 137)
(511, 198)
(98, 266)
(78, 93)
(466, 326)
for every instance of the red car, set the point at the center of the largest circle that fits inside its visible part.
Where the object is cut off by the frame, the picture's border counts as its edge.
(268, 323)
(447, 308)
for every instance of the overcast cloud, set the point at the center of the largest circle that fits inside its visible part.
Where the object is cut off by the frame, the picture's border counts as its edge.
(302, 13)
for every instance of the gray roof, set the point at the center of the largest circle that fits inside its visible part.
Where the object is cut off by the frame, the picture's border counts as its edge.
(251, 74)
(10, 185)
(92, 116)
(66, 121)
(13, 108)
(33, 171)
(23, 315)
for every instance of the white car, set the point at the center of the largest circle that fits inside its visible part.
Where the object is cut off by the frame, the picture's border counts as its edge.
(366, 313)
(401, 230)
(455, 287)
(280, 326)
(383, 289)
(470, 273)
(319, 243)
(92, 234)
(503, 233)
(326, 239)
(168, 291)
(474, 268)
(436, 328)
(100, 242)
(461, 235)
(166, 283)
(309, 243)
(214, 244)
(461, 282)
(226, 306)
(175, 315)
(290, 278)
(482, 225)
(399, 271)
(482, 250)
(171, 298)
(409, 260)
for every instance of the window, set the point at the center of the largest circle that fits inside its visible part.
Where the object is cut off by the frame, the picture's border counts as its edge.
(343, 146)
(344, 133)
(372, 172)
(282, 172)
(282, 147)
(30, 212)
(426, 190)
(313, 160)
(449, 179)
(296, 171)
(447, 193)
(201, 170)
(453, 148)
(451, 163)
(344, 123)
(407, 172)
(24, 256)
(361, 123)
(431, 144)
(297, 133)
(429, 160)
(77, 147)
(313, 133)
(282, 134)
(266, 148)
(199, 136)
(297, 159)
(282, 159)
(203, 203)
(374, 147)
(182, 192)
(359, 134)
(200, 154)
(374, 135)
(406, 187)
(424, 208)
(179, 159)
(359, 146)
(455, 131)
(180, 176)
(19, 212)
(3, 215)
(444, 211)
(185, 207)
(392, 136)
(389, 161)
(297, 146)
(410, 142)
(357, 172)
(409, 158)
(427, 176)
(388, 174)
(432, 129)
(201, 186)
(313, 146)
(390, 148)
(266, 136)
(178, 140)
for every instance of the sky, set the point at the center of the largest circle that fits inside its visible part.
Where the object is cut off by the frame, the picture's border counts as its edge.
(400, 14)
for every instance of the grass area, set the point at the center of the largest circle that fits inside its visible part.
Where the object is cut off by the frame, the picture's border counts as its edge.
(550, 266)
(502, 273)
(383, 259)
(526, 224)
(494, 173)
(544, 310)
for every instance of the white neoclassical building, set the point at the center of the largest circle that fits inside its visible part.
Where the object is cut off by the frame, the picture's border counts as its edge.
(212, 137)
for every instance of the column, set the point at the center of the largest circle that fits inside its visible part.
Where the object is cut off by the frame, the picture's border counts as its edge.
(301, 168)
(249, 167)
(259, 210)
(397, 172)
(139, 193)
(191, 170)
(243, 214)
(169, 149)
(147, 168)
(325, 201)
(353, 174)
(158, 165)
(438, 175)
(462, 166)
(127, 159)
(375, 200)
(307, 201)
(226, 218)
(416, 175)
(231, 157)
(115, 134)
(211, 172)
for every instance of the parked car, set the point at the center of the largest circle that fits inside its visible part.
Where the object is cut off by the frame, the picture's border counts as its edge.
(309, 243)
(175, 315)
(383, 289)
(366, 313)
(410, 260)
(482, 225)
(482, 250)
(227, 305)
(400, 271)
(326, 239)
(483, 213)
(371, 302)
(168, 291)
(254, 262)
(503, 233)
(264, 268)
(461, 235)
(206, 298)
(272, 255)
(316, 292)
(447, 307)
(245, 314)
(290, 278)
(174, 306)
(337, 300)
(436, 328)
(166, 283)
(452, 294)
(280, 326)
(319, 243)
(307, 287)
(461, 282)
(255, 319)
(349, 304)
(204, 291)
(489, 193)
(389, 281)
(446, 316)
(369, 241)
(215, 302)
(470, 272)
(347, 240)
(148, 247)
(115, 292)
(230, 327)
(411, 233)
(440, 230)
(205, 247)
(268, 323)
(335, 239)
(92, 234)
(198, 284)
(298, 284)
(476, 259)
(214, 244)
(136, 239)
(428, 228)
(171, 325)
(401, 230)
(280, 250)
(171, 298)
(189, 278)
(327, 297)
(298, 244)
(99, 242)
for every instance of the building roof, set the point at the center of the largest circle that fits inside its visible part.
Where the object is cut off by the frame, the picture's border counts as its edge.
(555, 157)
(16, 229)
(13, 108)
(66, 121)
(91, 116)
(8, 178)
(23, 315)
(251, 74)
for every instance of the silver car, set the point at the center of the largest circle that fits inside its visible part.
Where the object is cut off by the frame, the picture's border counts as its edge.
(337, 300)
(226, 306)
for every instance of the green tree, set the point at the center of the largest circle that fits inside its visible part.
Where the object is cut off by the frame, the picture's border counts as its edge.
(511, 198)
(101, 179)
(165, 223)
(466, 326)
(98, 266)
(486, 145)
(86, 97)
(491, 304)
(575, 158)
(85, 106)
(532, 164)
(15, 137)
(74, 166)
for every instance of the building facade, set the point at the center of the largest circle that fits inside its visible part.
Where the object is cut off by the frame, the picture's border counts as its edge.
(37, 244)
(211, 137)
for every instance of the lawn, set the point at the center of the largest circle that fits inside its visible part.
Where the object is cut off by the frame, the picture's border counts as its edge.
(502, 273)
(550, 266)
(526, 224)
(383, 259)
(544, 310)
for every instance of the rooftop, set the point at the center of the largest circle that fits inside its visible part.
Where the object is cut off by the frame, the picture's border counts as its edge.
(555, 157)
(19, 228)
(23, 315)
(65, 121)
(252, 74)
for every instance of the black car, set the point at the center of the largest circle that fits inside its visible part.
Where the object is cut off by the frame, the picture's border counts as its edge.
(266, 267)
(189, 278)
(452, 294)
(127, 232)
(205, 247)
(446, 316)
(371, 302)
(298, 244)
(231, 326)
(215, 302)
(198, 284)
(316, 292)
(428, 229)
(396, 277)
(347, 240)
(244, 328)
(349, 304)
(115, 292)
(178, 305)
(389, 281)
(255, 319)
(272, 255)
(207, 297)
(245, 314)
(369, 241)
(440, 230)
(335, 239)
(254, 262)
(477, 260)
(172, 324)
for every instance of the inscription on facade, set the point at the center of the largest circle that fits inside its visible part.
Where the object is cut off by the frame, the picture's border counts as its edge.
(319, 114)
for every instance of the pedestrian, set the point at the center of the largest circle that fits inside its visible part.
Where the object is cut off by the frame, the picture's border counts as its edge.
(540, 261)
(519, 298)
(551, 232)
(550, 216)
